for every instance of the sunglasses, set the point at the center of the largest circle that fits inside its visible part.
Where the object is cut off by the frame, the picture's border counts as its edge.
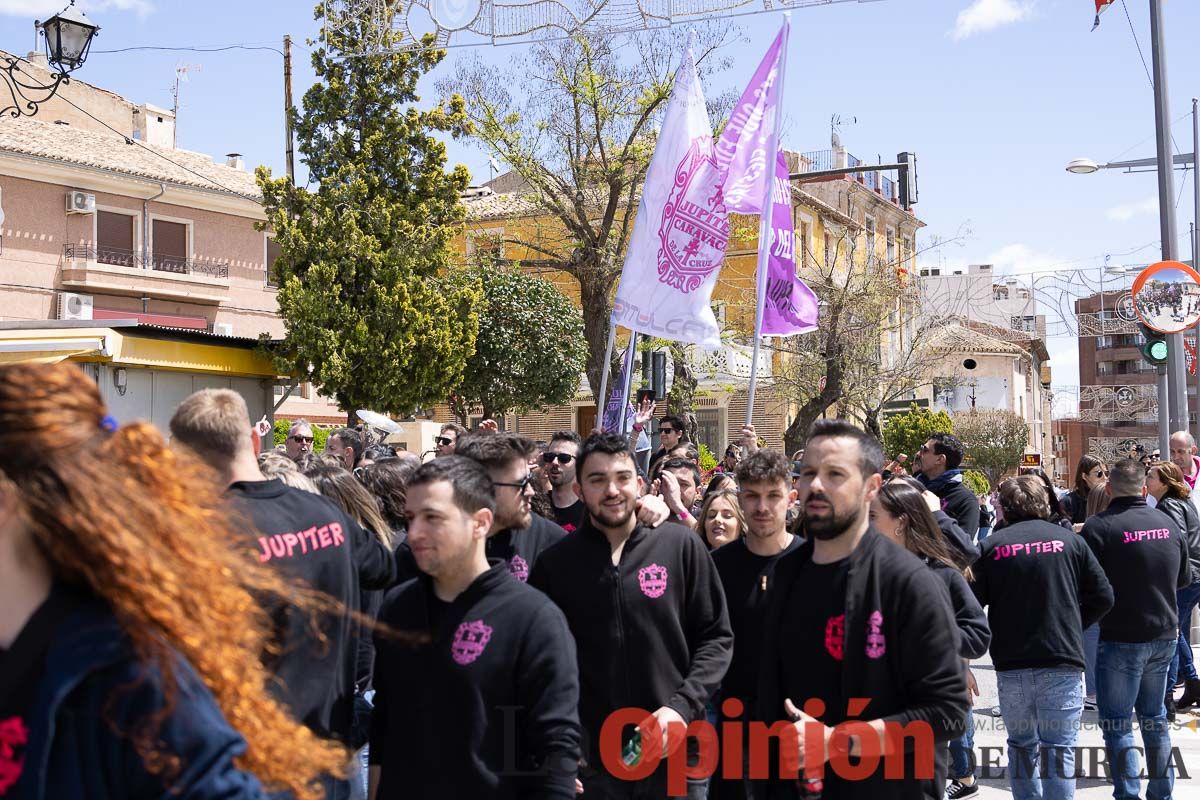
(303, 439)
(667, 430)
(562, 458)
(443, 440)
(520, 486)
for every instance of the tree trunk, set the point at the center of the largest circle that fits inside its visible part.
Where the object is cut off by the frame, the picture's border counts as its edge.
(682, 398)
(594, 296)
(871, 418)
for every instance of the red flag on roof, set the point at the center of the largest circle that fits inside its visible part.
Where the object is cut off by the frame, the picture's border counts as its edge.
(1101, 7)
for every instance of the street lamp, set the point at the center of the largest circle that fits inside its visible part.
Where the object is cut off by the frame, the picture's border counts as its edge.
(69, 35)
(1086, 166)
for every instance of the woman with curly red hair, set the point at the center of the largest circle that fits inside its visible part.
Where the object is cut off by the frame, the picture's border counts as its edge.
(131, 621)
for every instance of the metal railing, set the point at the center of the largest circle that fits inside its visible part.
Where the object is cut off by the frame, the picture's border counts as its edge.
(130, 258)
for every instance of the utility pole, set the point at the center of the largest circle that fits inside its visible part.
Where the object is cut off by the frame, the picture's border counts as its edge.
(1196, 240)
(287, 107)
(1172, 378)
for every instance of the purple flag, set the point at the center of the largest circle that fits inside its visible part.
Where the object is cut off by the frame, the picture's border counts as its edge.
(744, 150)
(790, 307)
(618, 400)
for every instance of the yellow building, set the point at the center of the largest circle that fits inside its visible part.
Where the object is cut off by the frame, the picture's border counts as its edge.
(848, 223)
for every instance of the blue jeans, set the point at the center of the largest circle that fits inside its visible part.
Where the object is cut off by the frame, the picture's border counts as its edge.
(1186, 598)
(1133, 678)
(1041, 710)
(1091, 643)
(962, 751)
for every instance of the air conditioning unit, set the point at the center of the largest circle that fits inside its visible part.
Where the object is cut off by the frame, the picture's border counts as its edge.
(74, 306)
(223, 328)
(80, 202)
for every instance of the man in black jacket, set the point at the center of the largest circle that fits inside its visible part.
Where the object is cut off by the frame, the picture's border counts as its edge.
(518, 536)
(305, 537)
(1042, 586)
(476, 686)
(747, 569)
(648, 614)
(937, 468)
(1145, 558)
(860, 630)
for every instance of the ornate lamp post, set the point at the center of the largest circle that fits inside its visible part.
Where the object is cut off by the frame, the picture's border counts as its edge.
(68, 37)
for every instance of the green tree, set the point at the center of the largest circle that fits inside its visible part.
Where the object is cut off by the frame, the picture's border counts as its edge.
(530, 349)
(905, 433)
(993, 440)
(575, 119)
(360, 256)
(977, 481)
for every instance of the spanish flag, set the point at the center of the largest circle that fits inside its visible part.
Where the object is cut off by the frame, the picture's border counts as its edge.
(1101, 7)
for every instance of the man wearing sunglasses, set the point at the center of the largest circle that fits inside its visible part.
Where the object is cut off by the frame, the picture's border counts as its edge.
(300, 440)
(558, 464)
(447, 441)
(517, 535)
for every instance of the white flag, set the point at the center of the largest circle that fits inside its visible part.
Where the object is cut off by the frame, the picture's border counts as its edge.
(682, 228)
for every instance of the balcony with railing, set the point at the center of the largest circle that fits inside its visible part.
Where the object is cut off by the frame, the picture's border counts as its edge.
(822, 160)
(114, 270)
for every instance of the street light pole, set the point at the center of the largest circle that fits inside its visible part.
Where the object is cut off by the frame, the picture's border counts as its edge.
(1172, 377)
(1196, 244)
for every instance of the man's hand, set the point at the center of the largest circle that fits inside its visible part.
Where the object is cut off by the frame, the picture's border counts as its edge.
(972, 686)
(651, 511)
(671, 739)
(803, 724)
(668, 489)
(489, 425)
(749, 438)
(645, 413)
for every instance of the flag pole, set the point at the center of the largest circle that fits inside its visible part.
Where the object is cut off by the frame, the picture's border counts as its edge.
(764, 226)
(602, 401)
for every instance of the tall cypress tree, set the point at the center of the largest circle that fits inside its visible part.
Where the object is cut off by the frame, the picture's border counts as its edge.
(361, 250)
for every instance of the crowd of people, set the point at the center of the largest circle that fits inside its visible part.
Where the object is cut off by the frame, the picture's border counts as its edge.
(211, 617)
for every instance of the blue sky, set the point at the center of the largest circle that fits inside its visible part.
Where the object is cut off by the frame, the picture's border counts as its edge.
(995, 96)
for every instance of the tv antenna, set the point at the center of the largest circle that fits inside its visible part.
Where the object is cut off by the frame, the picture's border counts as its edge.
(181, 73)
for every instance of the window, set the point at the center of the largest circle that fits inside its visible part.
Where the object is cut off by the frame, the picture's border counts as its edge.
(115, 238)
(1000, 293)
(487, 242)
(710, 430)
(802, 243)
(908, 255)
(891, 246)
(274, 251)
(830, 249)
(869, 223)
(169, 244)
(1104, 368)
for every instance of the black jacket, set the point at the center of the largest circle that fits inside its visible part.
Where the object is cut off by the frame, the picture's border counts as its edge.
(964, 546)
(1042, 586)
(1074, 505)
(957, 500)
(918, 677)
(1183, 513)
(1145, 558)
(520, 548)
(974, 635)
(309, 538)
(480, 703)
(652, 631)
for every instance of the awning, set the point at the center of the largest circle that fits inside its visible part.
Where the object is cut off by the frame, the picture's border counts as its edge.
(48, 351)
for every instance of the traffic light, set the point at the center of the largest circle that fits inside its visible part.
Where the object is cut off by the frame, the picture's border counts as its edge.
(1154, 346)
(908, 180)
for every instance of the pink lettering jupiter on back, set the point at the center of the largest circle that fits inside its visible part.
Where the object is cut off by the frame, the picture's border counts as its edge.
(288, 545)
(1145, 536)
(1030, 549)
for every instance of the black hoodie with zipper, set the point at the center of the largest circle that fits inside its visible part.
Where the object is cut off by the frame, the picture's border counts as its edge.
(477, 697)
(900, 653)
(520, 548)
(306, 537)
(651, 631)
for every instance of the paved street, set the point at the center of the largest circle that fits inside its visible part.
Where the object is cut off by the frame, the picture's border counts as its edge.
(990, 746)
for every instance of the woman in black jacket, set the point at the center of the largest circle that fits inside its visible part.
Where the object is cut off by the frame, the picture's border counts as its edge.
(902, 513)
(1090, 472)
(1165, 481)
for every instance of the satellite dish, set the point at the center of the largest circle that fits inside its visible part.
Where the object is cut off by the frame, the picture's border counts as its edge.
(377, 420)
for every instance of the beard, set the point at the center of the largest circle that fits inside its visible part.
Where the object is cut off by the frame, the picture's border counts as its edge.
(610, 518)
(833, 525)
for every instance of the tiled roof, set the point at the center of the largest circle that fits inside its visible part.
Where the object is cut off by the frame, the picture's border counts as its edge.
(501, 206)
(110, 152)
(960, 338)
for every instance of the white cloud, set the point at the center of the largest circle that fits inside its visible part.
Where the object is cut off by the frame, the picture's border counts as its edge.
(41, 9)
(1019, 259)
(1126, 212)
(985, 15)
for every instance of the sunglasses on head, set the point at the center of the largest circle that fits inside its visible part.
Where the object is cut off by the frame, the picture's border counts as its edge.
(303, 439)
(443, 440)
(562, 458)
(520, 486)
